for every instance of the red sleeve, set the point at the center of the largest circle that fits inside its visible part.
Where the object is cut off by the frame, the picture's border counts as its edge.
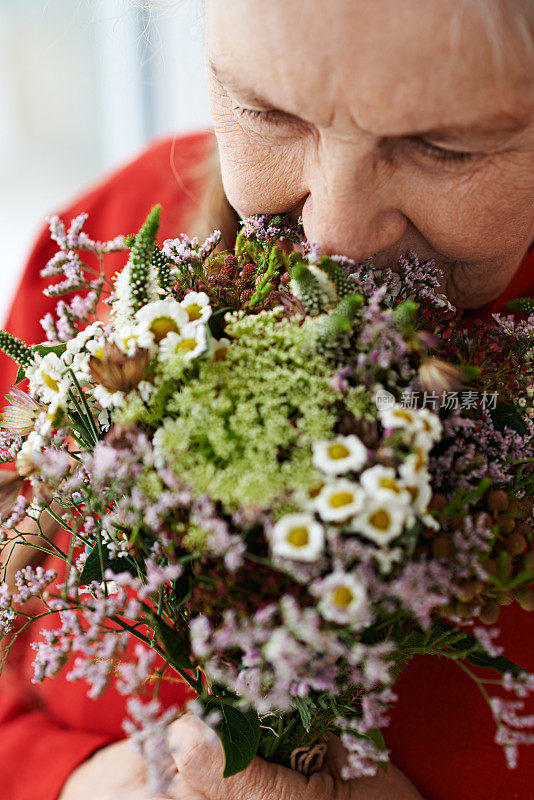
(37, 754)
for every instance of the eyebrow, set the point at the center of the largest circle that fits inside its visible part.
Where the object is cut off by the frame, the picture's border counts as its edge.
(245, 92)
(499, 123)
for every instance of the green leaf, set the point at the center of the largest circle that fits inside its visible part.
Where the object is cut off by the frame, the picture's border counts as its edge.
(216, 322)
(474, 653)
(239, 732)
(375, 735)
(171, 642)
(506, 415)
(92, 570)
(305, 707)
(44, 348)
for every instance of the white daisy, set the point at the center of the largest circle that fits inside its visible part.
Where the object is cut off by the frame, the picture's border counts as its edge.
(49, 379)
(419, 487)
(343, 599)
(396, 416)
(108, 399)
(339, 500)
(190, 344)
(429, 425)
(343, 454)
(381, 521)
(79, 343)
(157, 320)
(383, 481)
(197, 306)
(297, 536)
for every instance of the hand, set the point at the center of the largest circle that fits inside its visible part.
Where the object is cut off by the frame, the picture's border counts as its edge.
(116, 772)
(200, 768)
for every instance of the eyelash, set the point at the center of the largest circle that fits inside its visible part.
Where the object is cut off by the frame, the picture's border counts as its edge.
(431, 150)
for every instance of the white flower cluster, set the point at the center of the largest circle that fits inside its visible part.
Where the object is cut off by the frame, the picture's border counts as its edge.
(378, 506)
(164, 328)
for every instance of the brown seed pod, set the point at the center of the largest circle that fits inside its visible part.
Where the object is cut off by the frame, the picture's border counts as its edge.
(489, 614)
(525, 530)
(465, 610)
(515, 544)
(506, 598)
(497, 500)
(506, 524)
(525, 598)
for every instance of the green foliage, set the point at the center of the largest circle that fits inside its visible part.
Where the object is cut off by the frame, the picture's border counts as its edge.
(163, 270)
(523, 304)
(241, 430)
(175, 648)
(239, 732)
(505, 415)
(92, 570)
(141, 260)
(405, 315)
(17, 350)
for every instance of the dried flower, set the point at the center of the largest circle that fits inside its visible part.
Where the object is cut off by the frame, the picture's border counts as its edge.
(437, 375)
(19, 418)
(116, 371)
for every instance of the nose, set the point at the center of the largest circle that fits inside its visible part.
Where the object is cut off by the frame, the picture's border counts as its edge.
(349, 208)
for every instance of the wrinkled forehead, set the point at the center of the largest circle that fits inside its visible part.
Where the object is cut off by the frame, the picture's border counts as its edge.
(380, 63)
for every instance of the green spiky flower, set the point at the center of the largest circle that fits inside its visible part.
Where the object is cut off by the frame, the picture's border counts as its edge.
(141, 261)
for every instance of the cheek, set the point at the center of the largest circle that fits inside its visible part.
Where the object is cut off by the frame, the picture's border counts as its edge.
(258, 178)
(260, 175)
(488, 215)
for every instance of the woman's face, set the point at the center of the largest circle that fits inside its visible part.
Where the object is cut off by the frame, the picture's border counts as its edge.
(389, 126)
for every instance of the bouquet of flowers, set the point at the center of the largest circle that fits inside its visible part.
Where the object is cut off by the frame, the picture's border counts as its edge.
(283, 474)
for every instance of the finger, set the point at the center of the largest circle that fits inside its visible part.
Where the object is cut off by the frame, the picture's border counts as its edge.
(181, 790)
(200, 762)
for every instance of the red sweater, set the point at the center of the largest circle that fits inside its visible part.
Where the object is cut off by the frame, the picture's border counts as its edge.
(441, 732)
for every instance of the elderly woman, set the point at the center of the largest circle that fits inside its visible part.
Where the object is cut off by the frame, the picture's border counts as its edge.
(388, 127)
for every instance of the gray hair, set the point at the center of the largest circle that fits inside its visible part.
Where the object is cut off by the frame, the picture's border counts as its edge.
(514, 16)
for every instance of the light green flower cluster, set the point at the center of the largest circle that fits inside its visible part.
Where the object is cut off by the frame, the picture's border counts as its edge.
(242, 429)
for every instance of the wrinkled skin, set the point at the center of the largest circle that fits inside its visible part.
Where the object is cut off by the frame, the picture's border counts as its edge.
(368, 103)
(117, 773)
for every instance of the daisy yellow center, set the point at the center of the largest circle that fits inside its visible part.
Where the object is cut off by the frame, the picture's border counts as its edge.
(187, 344)
(380, 519)
(419, 462)
(342, 597)
(405, 415)
(51, 382)
(338, 451)
(414, 492)
(99, 353)
(340, 499)
(161, 326)
(389, 483)
(298, 537)
(194, 312)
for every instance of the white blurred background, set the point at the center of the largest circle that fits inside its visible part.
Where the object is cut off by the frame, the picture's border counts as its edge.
(84, 84)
